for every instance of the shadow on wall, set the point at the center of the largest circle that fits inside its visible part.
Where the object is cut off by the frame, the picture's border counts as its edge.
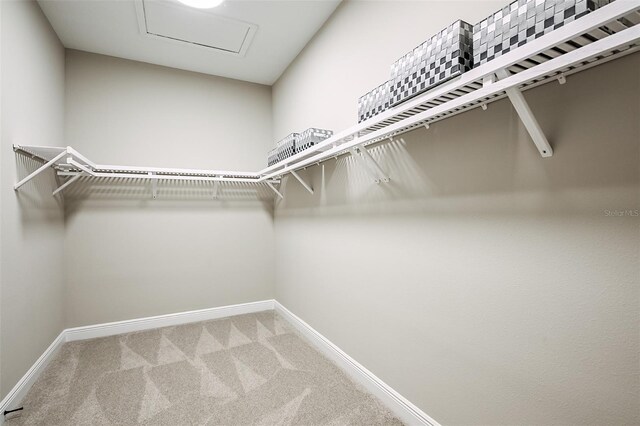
(591, 122)
(34, 197)
(37, 201)
(171, 195)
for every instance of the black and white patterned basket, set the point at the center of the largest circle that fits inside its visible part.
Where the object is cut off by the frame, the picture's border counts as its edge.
(374, 102)
(287, 146)
(311, 137)
(523, 21)
(272, 157)
(442, 57)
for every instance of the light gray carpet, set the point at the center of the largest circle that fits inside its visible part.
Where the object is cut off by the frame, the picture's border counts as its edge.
(242, 370)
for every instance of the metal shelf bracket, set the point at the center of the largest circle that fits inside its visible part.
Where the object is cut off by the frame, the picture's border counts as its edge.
(154, 186)
(488, 79)
(526, 116)
(67, 183)
(41, 169)
(273, 188)
(369, 164)
(302, 182)
(216, 188)
(364, 165)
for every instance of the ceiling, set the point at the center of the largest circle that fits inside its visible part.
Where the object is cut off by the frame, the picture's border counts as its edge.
(250, 40)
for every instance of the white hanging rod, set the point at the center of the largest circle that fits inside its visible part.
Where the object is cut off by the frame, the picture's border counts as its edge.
(166, 177)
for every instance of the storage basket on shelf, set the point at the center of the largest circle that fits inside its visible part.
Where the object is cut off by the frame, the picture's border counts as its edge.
(272, 158)
(523, 21)
(287, 146)
(311, 137)
(442, 57)
(374, 102)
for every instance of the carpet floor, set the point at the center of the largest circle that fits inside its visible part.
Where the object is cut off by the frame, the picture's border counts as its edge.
(241, 370)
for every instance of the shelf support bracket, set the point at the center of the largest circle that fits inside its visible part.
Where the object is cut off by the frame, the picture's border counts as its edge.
(273, 188)
(526, 116)
(365, 153)
(364, 165)
(154, 186)
(67, 183)
(40, 170)
(302, 182)
(488, 79)
(369, 164)
(216, 188)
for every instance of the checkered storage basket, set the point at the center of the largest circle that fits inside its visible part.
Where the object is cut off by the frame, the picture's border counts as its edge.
(444, 56)
(374, 102)
(523, 21)
(287, 146)
(272, 158)
(311, 137)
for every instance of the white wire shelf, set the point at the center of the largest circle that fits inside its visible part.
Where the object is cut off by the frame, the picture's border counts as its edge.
(70, 164)
(608, 33)
(600, 36)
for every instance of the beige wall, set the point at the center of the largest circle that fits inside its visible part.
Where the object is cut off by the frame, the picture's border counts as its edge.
(31, 224)
(129, 257)
(484, 283)
(353, 53)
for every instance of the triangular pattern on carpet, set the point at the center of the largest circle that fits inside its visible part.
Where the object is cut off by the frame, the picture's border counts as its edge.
(242, 370)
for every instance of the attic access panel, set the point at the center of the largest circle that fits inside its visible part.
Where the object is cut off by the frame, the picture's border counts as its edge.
(173, 22)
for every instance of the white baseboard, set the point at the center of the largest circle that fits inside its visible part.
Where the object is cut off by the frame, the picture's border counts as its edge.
(399, 405)
(140, 324)
(15, 395)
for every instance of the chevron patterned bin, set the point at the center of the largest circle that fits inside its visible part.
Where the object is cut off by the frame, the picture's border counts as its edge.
(272, 157)
(374, 102)
(442, 57)
(311, 137)
(523, 21)
(287, 146)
